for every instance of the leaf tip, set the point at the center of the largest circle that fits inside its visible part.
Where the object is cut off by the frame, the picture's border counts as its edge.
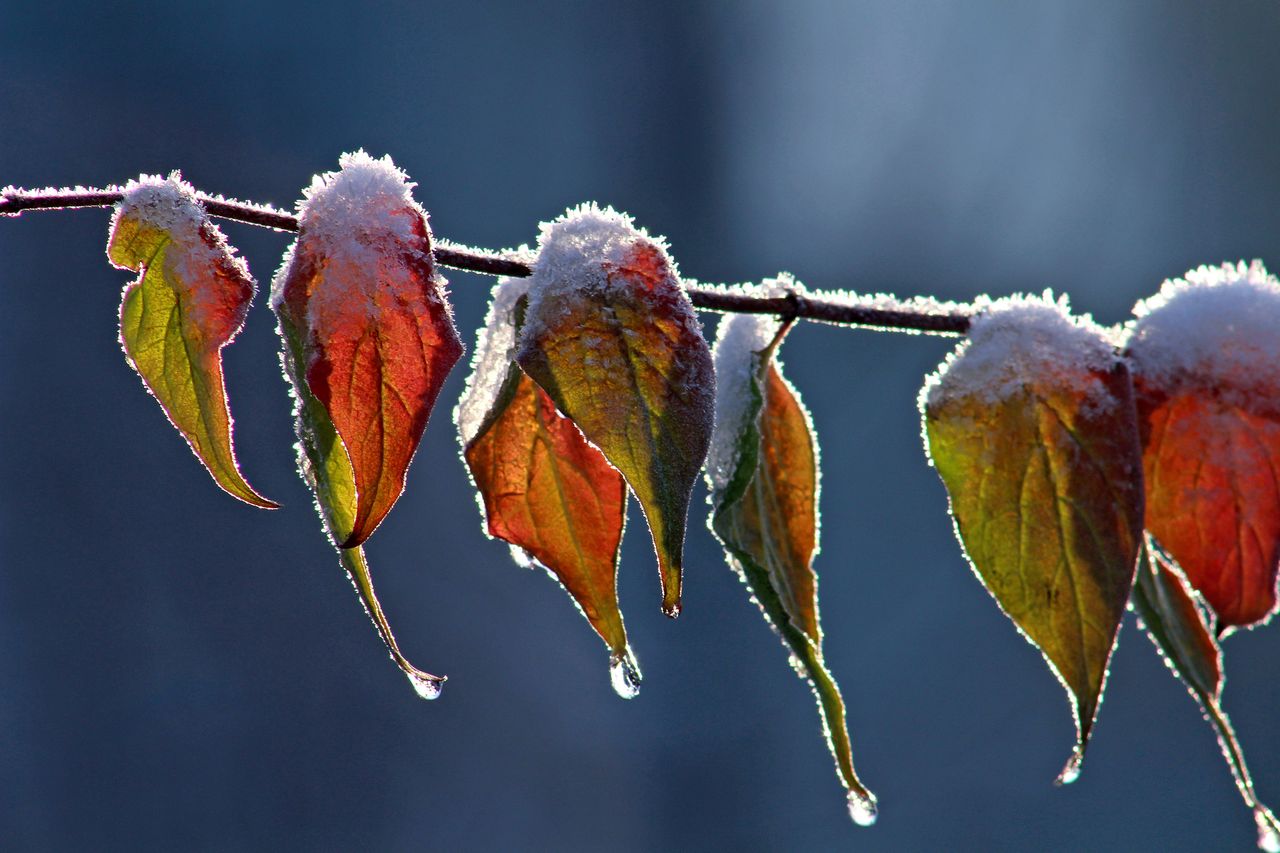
(862, 807)
(1071, 771)
(624, 674)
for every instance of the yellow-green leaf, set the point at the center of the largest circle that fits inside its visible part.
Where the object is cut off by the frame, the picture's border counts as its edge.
(188, 302)
(612, 338)
(1031, 426)
(764, 480)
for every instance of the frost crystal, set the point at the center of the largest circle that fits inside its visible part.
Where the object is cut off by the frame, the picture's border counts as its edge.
(353, 218)
(170, 205)
(738, 338)
(1216, 329)
(495, 351)
(575, 253)
(1020, 340)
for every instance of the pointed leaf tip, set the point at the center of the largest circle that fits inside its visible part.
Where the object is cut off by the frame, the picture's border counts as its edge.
(375, 335)
(763, 474)
(189, 301)
(1031, 427)
(612, 338)
(544, 489)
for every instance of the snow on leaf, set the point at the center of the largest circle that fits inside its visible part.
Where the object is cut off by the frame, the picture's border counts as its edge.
(1031, 426)
(544, 488)
(1172, 616)
(612, 338)
(764, 498)
(1206, 364)
(189, 301)
(376, 338)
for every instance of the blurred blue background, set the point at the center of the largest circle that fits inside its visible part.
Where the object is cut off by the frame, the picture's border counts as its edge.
(183, 672)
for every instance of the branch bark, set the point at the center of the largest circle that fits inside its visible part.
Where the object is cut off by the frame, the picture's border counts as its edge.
(880, 312)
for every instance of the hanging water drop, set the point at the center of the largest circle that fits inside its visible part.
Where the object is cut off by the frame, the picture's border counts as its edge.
(427, 688)
(1268, 834)
(862, 808)
(624, 672)
(1071, 772)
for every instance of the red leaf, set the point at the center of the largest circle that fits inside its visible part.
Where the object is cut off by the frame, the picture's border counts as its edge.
(1206, 366)
(378, 337)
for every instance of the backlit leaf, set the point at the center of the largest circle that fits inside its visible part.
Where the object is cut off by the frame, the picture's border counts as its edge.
(189, 301)
(327, 470)
(375, 334)
(1031, 427)
(545, 489)
(764, 497)
(1206, 362)
(1173, 619)
(613, 340)
(348, 298)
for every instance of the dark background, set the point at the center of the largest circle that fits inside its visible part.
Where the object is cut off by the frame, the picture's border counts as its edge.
(180, 671)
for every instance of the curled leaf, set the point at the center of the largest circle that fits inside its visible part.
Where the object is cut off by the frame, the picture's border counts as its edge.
(612, 338)
(544, 488)
(1031, 427)
(1172, 617)
(189, 301)
(763, 474)
(1206, 363)
(376, 337)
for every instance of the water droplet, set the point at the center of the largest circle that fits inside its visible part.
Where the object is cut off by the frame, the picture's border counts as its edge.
(427, 688)
(624, 672)
(672, 610)
(1268, 836)
(521, 557)
(862, 808)
(1071, 772)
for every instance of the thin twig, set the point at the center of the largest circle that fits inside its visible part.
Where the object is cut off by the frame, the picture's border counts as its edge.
(900, 317)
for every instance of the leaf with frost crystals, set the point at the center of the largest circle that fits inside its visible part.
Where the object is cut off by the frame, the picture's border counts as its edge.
(764, 480)
(189, 301)
(612, 338)
(1206, 369)
(545, 489)
(1031, 426)
(375, 334)
(1172, 617)
(367, 342)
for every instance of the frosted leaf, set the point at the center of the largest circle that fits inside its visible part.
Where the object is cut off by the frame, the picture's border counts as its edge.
(354, 218)
(170, 205)
(738, 338)
(495, 351)
(576, 252)
(1213, 330)
(1018, 340)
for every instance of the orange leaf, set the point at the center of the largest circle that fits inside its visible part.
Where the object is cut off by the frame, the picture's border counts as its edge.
(377, 336)
(546, 490)
(189, 301)
(1208, 395)
(612, 338)
(763, 473)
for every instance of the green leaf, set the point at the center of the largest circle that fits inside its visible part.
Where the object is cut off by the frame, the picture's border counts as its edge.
(1174, 620)
(1031, 426)
(764, 478)
(189, 301)
(612, 338)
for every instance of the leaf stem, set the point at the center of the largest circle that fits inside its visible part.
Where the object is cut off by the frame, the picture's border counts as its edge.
(880, 313)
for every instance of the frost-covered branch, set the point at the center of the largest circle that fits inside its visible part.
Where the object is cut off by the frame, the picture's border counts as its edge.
(882, 312)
